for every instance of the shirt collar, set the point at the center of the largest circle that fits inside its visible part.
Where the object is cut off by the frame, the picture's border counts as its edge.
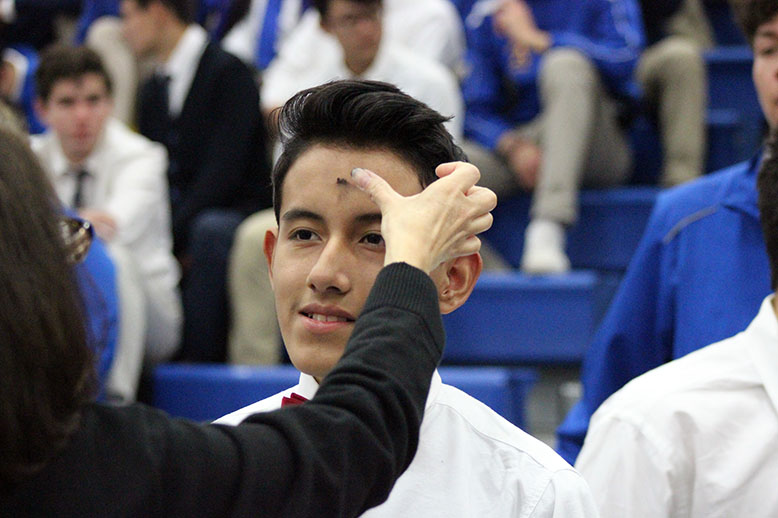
(308, 387)
(762, 343)
(186, 55)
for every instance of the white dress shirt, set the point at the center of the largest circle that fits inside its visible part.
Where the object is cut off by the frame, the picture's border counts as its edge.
(182, 65)
(697, 437)
(470, 463)
(419, 77)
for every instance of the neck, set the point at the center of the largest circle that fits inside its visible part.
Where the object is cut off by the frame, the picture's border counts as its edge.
(775, 305)
(169, 40)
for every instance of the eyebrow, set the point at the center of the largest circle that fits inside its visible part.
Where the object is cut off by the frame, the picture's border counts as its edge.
(766, 33)
(293, 214)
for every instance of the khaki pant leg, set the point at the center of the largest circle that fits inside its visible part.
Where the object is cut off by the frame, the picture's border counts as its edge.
(673, 76)
(579, 130)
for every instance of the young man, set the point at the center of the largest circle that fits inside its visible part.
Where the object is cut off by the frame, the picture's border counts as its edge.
(699, 273)
(203, 105)
(697, 437)
(323, 259)
(541, 92)
(115, 179)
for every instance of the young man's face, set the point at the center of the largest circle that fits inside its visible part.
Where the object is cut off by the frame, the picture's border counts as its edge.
(328, 250)
(140, 27)
(765, 70)
(76, 110)
(357, 26)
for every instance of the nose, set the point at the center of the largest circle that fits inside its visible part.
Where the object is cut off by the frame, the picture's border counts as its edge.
(81, 111)
(331, 272)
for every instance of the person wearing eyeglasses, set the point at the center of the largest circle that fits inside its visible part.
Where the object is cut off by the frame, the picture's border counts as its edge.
(115, 179)
(64, 455)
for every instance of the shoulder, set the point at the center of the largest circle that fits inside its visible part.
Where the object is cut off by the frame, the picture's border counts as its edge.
(494, 450)
(124, 144)
(697, 199)
(485, 429)
(681, 390)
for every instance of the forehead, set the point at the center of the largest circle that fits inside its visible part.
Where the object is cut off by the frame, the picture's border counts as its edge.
(313, 179)
(347, 6)
(768, 29)
(89, 83)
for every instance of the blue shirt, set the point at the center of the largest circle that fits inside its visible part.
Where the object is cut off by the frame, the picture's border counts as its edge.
(697, 277)
(499, 95)
(97, 281)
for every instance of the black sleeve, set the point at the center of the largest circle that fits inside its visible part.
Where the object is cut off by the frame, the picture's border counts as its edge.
(340, 453)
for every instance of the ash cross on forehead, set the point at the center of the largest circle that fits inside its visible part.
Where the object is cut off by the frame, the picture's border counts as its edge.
(341, 181)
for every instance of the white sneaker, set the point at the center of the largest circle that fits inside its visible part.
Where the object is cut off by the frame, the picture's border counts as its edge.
(544, 248)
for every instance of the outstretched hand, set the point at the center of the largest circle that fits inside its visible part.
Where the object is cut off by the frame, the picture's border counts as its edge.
(439, 223)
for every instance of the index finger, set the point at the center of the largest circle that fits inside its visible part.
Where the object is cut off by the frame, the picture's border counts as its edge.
(467, 174)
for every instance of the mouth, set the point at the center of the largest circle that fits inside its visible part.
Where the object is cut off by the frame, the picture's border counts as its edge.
(319, 317)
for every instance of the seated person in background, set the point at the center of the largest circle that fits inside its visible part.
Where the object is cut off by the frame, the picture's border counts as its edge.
(672, 73)
(699, 272)
(115, 179)
(203, 105)
(324, 257)
(363, 51)
(540, 95)
(697, 437)
(431, 28)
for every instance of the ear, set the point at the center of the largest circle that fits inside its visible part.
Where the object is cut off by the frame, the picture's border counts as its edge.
(271, 239)
(455, 280)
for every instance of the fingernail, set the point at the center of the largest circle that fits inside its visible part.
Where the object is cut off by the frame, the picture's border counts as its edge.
(361, 176)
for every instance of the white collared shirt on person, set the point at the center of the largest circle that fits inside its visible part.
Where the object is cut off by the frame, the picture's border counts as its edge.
(182, 64)
(470, 462)
(697, 437)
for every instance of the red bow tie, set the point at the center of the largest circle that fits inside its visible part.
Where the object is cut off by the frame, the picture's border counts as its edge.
(293, 399)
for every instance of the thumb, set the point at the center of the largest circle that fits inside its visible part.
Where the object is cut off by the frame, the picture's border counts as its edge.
(375, 186)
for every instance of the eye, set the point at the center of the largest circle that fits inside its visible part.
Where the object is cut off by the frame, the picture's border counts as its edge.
(374, 239)
(302, 234)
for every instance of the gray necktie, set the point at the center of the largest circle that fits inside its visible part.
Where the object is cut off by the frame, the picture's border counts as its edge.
(78, 195)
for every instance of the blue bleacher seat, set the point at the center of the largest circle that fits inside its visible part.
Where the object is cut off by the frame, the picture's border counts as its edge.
(204, 392)
(609, 228)
(516, 319)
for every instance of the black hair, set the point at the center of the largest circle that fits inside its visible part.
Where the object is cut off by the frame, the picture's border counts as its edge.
(363, 115)
(46, 367)
(323, 6)
(184, 10)
(751, 14)
(67, 62)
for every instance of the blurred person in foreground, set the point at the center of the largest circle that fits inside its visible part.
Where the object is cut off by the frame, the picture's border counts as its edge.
(64, 455)
(700, 271)
(697, 437)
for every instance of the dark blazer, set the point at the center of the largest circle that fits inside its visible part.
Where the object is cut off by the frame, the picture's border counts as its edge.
(217, 146)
